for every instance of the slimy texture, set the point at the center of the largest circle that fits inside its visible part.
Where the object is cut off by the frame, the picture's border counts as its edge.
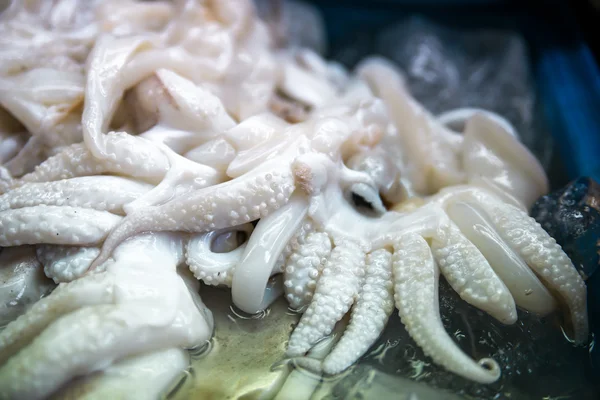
(144, 151)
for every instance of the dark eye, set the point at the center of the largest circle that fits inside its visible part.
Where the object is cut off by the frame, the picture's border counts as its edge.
(228, 241)
(363, 206)
(360, 202)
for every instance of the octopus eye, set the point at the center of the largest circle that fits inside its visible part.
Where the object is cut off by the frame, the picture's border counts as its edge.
(366, 200)
(361, 203)
(228, 241)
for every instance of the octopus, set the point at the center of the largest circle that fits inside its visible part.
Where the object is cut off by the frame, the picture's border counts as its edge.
(180, 146)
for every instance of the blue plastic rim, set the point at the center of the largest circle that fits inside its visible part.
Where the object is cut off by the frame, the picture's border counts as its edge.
(566, 74)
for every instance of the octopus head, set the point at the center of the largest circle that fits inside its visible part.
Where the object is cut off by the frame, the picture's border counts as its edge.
(386, 176)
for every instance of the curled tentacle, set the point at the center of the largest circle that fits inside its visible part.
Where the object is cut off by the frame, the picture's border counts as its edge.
(416, 295)
(213, 256)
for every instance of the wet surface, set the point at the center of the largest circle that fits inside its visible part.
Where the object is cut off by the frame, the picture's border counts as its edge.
(536, 359)
(241, 359)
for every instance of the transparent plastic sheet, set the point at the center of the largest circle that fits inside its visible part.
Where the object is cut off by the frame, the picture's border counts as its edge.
(448, 69)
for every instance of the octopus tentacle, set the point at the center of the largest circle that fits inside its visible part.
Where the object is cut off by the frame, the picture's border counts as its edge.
(216, 266)
(526, 289)
(116, 319)
(182, 177)
(291, 246)
(495, 159)
(63, 300)
(373, 307)
(434, 166)
(83, 342)
(192, 107)
(106, 85)
(225, 205)
(217, 153)
(55, 225)
(65, 263)
(416, 296)
(32, 154)
(267, 242)
(335, 293)
(133, 156)
(304, 267)
(72, 161)
(470, 275)
(103, 193)
(546, 258)
(6, 180)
